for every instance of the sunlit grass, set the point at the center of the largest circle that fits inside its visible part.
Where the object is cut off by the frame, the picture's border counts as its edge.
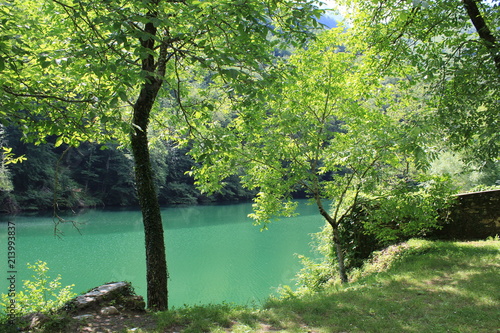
(420, 286)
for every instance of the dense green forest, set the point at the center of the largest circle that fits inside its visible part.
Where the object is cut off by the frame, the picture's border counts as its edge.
(384, 117)
(95, 175)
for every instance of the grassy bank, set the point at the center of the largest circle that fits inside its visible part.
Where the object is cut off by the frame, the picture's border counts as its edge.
(419, 286)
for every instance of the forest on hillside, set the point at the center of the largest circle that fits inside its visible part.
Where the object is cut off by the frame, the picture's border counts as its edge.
(98, 175)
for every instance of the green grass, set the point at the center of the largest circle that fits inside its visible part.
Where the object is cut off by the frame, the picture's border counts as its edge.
(419, 286)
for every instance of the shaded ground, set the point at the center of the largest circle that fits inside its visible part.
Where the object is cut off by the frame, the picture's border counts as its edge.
(116, 323)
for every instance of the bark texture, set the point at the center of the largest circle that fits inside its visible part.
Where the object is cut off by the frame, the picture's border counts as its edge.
(156, 263)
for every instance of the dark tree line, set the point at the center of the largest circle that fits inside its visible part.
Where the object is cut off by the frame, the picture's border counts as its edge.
(94, 175)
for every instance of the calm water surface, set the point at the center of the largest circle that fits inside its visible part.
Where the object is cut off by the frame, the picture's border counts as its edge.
(214, 253)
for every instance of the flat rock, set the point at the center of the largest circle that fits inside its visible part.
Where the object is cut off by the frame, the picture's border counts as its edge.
(97, 294)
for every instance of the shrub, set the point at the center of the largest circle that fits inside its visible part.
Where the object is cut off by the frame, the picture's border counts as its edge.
(407, 210)
(39, 294)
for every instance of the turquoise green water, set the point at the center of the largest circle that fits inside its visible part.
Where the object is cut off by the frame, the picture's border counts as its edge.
(214, 253)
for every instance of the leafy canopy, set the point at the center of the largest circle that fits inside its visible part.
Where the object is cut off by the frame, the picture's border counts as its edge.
(72, 68)
(450, 47)
(319, 127)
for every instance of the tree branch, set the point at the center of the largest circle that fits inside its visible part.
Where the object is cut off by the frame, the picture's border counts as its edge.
(483, 30)
(46, 96)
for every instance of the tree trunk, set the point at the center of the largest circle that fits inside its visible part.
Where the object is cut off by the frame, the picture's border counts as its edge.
(340, 254)
(156, 263)
(337, 245)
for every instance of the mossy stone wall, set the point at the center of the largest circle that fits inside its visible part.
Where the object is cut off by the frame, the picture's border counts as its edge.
(473, 216)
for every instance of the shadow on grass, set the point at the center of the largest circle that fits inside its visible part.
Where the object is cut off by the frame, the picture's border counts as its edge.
(443, 287)
(426, 287)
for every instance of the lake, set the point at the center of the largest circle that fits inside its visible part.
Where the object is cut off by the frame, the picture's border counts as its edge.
(214, 253)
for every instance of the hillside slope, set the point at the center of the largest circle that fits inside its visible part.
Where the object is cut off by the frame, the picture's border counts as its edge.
(418, 286)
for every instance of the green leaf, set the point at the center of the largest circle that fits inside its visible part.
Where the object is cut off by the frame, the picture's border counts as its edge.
(123, 95)
(44, 63)
(59, 141)
(231, 73)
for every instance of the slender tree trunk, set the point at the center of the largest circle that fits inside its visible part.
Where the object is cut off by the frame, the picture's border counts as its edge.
(337, 245)
(340, 254)
(156, 263)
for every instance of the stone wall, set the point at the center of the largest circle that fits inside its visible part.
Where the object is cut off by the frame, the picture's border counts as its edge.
(473, 216)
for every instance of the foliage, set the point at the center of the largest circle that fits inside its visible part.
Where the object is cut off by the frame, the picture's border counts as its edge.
(398, 213)
(93, 72)
(322, 126)
(100, 175)
(315, 274)
(466, 175)
(7, 157)
(405, 209)
(44, 179)
(282, 139)
(448, 47)
(41, 294)
(408, 210)
(484, 188)
(77, 81)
